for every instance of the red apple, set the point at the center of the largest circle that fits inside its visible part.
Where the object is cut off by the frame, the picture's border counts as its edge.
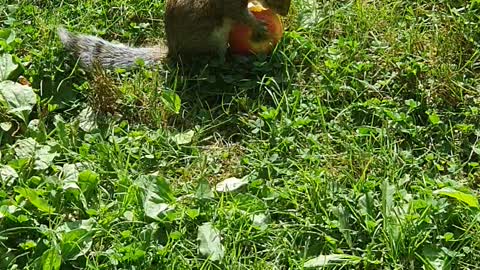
(241, 35)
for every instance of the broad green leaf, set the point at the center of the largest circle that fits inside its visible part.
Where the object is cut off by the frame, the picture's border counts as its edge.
(36, 129)
(231, 184)
(434, 258)
(366, 204)
(29, 244)
(365, 131)
(412, 104)
(7, 35)
(171, 101)
(332, 259)
(192, 213)
(157, 184)
(132, 253)
(25, 148)
(210, 244)
(70, 177)
(3, 211)
(44, 157)
(7, 66)
(18, 99)
(158, 197)
(88, 180)
(61, 130)
(87, 121)
(467, 198)
(183, 138)
(84, 224)
(6, 126)
(7, 175)
(32, 196)
(476, 149)
(260, 221)
(203, 190)
(434, 118)
(8, 211)
(388, 192)
(448, 236)
(343, 216)
(154, 206)
(129, 215)
(42, 154)
(51, 259)
(391, 217)
(269, 114)
(76, 238)
(162, 188)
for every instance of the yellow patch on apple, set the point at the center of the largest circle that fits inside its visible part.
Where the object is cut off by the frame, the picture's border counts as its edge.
(240, 38)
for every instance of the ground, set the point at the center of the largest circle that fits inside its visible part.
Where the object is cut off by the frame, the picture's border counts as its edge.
(355, 144)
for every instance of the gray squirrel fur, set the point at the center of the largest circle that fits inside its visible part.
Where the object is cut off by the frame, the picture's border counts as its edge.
(91, 49)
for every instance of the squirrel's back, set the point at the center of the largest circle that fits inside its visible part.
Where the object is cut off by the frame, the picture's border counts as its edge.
(95, 51)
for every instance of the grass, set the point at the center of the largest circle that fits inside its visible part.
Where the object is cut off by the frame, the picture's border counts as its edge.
(356, 142)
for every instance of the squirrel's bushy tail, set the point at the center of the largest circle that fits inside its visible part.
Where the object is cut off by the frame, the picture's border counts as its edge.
(93, 51)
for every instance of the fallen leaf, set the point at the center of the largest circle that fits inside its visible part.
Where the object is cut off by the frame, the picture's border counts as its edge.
(231, 184)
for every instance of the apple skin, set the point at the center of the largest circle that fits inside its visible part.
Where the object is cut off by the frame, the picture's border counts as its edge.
(240, 35)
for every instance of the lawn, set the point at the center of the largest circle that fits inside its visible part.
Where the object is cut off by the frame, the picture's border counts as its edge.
(355, 145)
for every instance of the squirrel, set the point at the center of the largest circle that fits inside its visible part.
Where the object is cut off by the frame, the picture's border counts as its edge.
(193, 28)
